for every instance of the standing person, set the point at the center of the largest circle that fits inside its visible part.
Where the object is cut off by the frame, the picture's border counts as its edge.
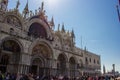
(30, 77)
(7, 77)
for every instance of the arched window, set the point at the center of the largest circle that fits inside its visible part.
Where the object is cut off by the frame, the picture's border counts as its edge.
(37, 30)
(10, 45)
(86, 60)
(72, 63)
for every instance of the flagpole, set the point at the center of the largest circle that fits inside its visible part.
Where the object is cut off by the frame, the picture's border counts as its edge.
(118, 12)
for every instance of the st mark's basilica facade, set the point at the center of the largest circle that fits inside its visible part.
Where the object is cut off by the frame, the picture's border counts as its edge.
(28, 43)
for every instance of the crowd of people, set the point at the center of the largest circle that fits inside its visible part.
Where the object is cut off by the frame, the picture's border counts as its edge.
(29, 76)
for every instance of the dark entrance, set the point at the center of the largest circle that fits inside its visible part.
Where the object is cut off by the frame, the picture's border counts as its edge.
(34, 69)
(72, 66)
(9, 56)
(3, 63)
(61, 66)
(37, 67)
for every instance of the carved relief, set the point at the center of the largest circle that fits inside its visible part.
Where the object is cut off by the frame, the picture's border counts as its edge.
(11, 45)
(40, 49)
(13, 21)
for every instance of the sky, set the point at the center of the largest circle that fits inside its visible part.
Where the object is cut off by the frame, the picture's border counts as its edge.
(95, 23)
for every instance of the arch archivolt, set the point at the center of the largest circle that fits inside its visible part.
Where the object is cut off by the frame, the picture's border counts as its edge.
(14, 20)
(41, 52)
(13, 39)
(73, 57)
(40, 22)
(40, 58)
(11, 49)
(41, 46)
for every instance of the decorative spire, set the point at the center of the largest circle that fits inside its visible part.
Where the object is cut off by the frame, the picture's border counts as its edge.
(63, 29)
(18, 3)
(52, 22)
(72, 34)
(26, 10)
(42, 6)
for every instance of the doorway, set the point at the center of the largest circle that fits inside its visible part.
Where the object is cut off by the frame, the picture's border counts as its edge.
(3, 63)
(37, 67)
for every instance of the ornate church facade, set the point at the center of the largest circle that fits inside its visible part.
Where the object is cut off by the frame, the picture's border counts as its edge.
(28, 43)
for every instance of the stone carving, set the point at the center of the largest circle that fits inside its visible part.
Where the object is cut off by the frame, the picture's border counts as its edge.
(39, 49)
(13, 21)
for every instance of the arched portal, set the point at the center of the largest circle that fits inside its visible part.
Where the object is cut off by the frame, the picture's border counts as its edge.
(41, 62)
(9, 56)
(72, 66)
(61, 65)
(37, 66)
